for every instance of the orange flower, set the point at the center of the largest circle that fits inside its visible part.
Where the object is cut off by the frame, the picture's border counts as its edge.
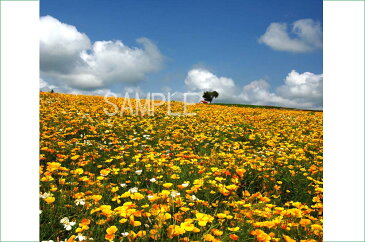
(72, 238)
(217, 232)
(85, 221)
(240, 172)
(208, 237)
(233, 237)
(305, 222)
(109, 237)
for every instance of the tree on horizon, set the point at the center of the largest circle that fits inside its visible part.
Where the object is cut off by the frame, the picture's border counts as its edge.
(208, 96)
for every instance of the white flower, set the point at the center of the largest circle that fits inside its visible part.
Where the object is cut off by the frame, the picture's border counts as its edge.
(123, 184)
(125, 234)
(64, 220)
(138, 172)
(133, 190)
(45, 195)
(66, 223)
(150, 196)
(146, 136)
(174, 194)
(80, 202)
(67, 227)
(153, 180)
(185, 184)
(194, 198)
(80, 237)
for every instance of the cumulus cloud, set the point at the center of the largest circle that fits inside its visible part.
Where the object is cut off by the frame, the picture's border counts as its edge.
(69, 58)
(298, 91)
(45, 86)
(304, 35)
(258, 92)
(306, 88)
(203, 80)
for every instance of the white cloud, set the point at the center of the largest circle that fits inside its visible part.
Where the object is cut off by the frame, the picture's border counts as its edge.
(298, 91)
(258, 92)
(303, 88)
(203, 80)
(60, 46)
(42, 83)
(45, 86)
(305, 35)
(68, 58)
(134, 91)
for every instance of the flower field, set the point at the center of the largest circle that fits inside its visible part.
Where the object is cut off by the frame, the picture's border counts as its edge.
(225, 174)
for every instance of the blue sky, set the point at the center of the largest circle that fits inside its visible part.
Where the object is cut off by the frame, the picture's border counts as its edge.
(220, 38)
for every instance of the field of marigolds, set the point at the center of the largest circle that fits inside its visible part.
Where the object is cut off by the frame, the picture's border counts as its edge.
(224, 174)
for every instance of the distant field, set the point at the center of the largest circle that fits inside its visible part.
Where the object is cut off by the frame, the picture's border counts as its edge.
(225, 173)
(260, 106)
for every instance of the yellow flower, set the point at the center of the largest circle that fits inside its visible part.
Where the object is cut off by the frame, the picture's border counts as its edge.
(101, 221)
(188, 226)
(53, 166)
(240, 172)
(141, 233)
(163, 216)
(261, 236)
(288, 239)
(217, 232)
(203, 219)
(123, 220)
(95, 162)
(49, 200)
(167, 185)
(97, 198)
(174, 231)
(175, 177)
(75, 157)
(304, 222)
(79, 171)
(234, 229)
(126, 194)
(136, 223)
(137, 196)
(316, 227)
(221, 215)
(114, 189)
(208, 237)
(111, 230)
